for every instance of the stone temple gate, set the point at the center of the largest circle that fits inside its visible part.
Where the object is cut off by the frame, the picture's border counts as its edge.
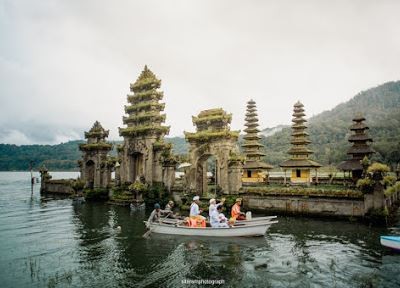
(214, 138)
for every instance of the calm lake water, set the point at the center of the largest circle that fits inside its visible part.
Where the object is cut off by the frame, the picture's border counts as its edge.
(47, 242)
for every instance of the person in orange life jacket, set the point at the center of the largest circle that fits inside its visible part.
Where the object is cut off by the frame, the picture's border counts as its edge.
(235, 212)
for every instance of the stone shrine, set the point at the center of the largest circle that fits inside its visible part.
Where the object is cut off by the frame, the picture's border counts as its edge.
(94, 166)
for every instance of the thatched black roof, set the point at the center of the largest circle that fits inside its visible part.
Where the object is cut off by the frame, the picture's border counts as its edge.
(300, 163)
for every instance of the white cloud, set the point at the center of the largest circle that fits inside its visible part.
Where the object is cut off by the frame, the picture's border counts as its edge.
(14, 137)
(65, 64)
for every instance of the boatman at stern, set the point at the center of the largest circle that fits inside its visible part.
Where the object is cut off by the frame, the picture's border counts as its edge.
(155, 215)
(235, 212)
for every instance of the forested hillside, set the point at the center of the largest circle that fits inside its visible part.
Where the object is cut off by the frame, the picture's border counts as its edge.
(63, 156)
(328, 131)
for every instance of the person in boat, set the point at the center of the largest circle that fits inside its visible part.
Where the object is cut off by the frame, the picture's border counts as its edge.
(214, 205)
(218, 219)
(194, 207)
(168, 209)
(235, 212)
(195, 219)
(155, 215)
(169, 206)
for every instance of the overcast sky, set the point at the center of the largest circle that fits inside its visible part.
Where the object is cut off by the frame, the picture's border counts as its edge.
(65, 64)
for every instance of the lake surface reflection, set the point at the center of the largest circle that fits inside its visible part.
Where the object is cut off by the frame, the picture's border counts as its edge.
(49, 242)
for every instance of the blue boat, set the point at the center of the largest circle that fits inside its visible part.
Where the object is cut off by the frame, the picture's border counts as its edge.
(392, 242)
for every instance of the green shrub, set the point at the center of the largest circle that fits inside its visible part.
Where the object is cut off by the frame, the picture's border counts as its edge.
(321, 191)
(366, 185)
(78, 185)
(96, 194)
(392, 189)
(378, 167)
(138, 187)
(157, 193)
(388, 180)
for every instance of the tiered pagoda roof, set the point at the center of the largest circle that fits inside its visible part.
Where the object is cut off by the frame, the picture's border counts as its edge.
(211, 124)
(252, 148)
(96, 138)
(144, 108)
(360, 145)
(299, 151)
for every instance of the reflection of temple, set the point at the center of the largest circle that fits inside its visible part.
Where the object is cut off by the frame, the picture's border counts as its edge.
(360, 148)
(254, 168)
(144, 154)
(95, 169)
(299, 163)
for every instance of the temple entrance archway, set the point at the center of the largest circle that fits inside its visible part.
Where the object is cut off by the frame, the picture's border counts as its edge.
(136, 166)
(214, 138)
(207, 173)
(90, 167)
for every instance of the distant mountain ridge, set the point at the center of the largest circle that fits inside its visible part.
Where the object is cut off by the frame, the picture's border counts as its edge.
(328, 131)
(271, 131)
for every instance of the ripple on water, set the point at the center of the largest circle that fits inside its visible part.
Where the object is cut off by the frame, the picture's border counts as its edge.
(55, 243)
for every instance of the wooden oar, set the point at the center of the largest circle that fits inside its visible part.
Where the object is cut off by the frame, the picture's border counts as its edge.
(147, 234)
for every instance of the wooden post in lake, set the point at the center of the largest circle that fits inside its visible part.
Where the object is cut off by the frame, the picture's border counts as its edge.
(32, 179)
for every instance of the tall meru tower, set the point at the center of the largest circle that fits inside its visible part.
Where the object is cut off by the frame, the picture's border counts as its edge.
(360, 148)
(299, 162)
(144, 154)
(252, 148)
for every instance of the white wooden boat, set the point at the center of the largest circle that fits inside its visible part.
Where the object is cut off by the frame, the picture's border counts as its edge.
(257, 219)
(255, 229)
(254, 220)
(391, 242)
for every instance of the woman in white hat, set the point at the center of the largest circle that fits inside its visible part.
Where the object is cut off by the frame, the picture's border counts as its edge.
(214, 205)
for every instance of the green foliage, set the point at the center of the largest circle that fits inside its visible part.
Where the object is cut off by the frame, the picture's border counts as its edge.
(226, 118)
(395, 188)
(236, 157)
(68, 182)
(157, 193)
(205, 136)
(95, 146)
(153, 116)
(97, 194)
(321, 191)
(378, 216)
(388, 180)
(146, 84)
(161, 145)
(62, 157)
(146, 95)
(78, 185)
(378, 168)
(143, 130)
(138, 187)
(144, 106)
(121, 195)
(366, 185)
